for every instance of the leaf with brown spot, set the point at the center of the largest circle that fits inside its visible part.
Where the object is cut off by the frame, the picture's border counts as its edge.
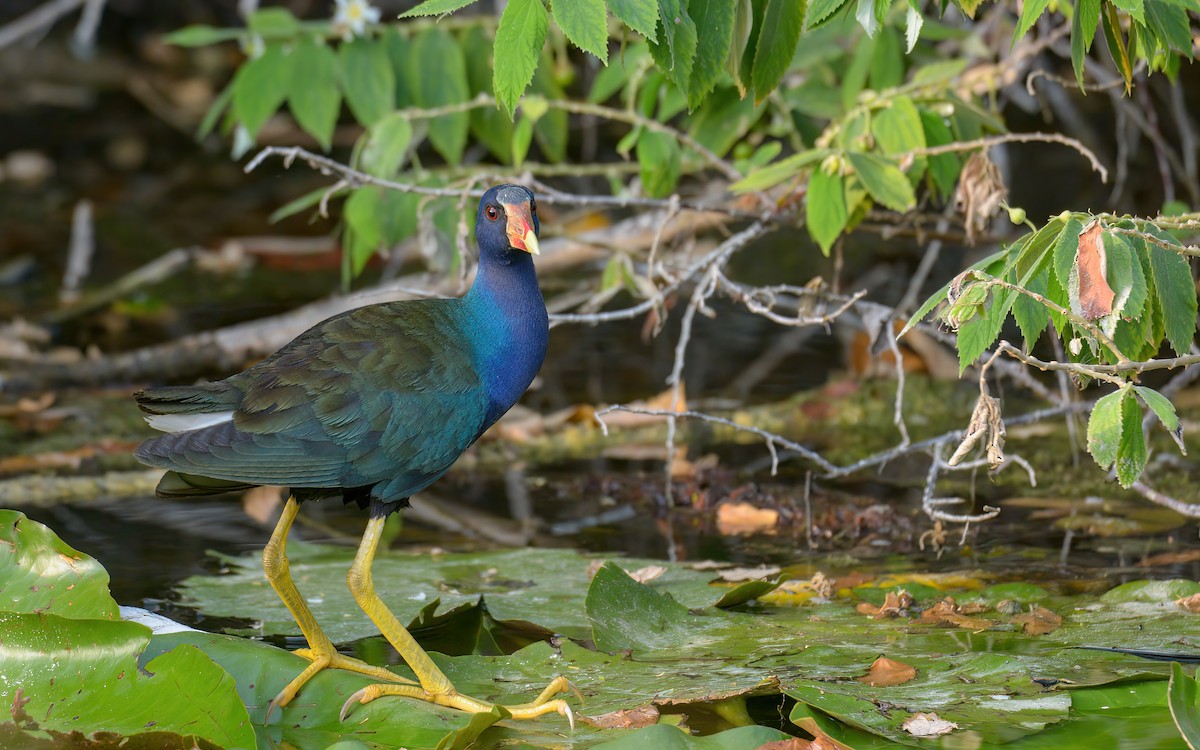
(885, 672)
(629, 718)
(946, 613)
(1095, 295)
(1038, 622)
(1190, 603)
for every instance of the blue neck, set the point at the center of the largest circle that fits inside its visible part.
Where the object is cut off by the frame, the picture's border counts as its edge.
(509, 328)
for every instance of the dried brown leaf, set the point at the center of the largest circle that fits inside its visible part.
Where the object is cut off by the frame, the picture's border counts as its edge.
(895, 603)
(1095, 295)
(927, 725)
(1038, 622)
(947, 613)
(744, 518)
(1190, 603)
(980, 192)
(885, 672)
(629, 718)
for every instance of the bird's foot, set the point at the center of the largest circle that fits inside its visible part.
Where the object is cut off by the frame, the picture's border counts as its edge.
(540, 706)
(328, 658)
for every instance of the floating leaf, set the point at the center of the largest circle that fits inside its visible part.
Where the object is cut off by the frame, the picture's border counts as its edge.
(885, 672)
(1181, 698)
(519, 41)
(627, 615)
(42, 574)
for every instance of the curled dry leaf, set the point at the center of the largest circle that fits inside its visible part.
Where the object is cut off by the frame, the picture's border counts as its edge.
(821, 586)
(820, 740)
(739, 575)
(980, 192)
(927, 725)
(1038, 622)
(629, 718)
(743, 518)
(1095, 295)
(641, 575)
(885, 672)
(895, 604)
(986, 422)
(947, 613)
(1190, 603)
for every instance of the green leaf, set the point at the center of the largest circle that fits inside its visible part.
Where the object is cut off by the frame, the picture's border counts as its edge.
(714, 23)
(745, 592)
(522, 137)
(1124, 275)
(1105, 427)
(440, 80)
(368, 80)
(639, 15)
(1181, 698)
(781, 26)
(897, 128)
(979, 333)
(1031, 11)
(1083, 31)
(1121, 52)
(387, 145)
(491, 126)
(1131, 455)
(667, 737)
(398, 216)
(883, 180)
(936, 298)
(519, 41)
(585, 23)
(201, 36)
(675, 49)
(296, 205)
(81, 675)
(1135, 9)
(773, 174)
(659, 157)
(1174, 290)
(362, 213)
(1032, 316)
(627, 615)
(825, 210)
(1165, 411)
(820, 11)
(273, 22)
(436, 8)
(1065, 251)
(219, 105)
(943, 168)
(313, 94)
(1170, 24)
(550, 131)
(913, 21)
(259, 87)
(42, 574)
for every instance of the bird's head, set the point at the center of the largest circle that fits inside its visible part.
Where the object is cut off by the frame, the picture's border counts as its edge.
(508, 220)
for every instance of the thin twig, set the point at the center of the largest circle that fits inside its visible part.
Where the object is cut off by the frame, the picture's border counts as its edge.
(35, 20)
(994, 140)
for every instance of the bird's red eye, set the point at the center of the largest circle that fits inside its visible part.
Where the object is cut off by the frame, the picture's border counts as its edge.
(491, 213)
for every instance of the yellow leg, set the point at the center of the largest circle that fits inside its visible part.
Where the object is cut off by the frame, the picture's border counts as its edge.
(434, 687)
(320, 649)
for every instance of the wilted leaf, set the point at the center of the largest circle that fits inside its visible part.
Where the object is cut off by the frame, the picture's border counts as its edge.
(1095, 295)
(980, 192)
(946, 612)
(744, 518)
(1038, 622)
(885, 672)
(927, 725)
(895, 604)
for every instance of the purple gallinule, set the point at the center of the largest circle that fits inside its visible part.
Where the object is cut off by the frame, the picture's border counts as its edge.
(373, 405)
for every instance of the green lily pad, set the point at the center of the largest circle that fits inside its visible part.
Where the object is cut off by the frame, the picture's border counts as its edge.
(666, 737)
(1181, 697)
(41, 573)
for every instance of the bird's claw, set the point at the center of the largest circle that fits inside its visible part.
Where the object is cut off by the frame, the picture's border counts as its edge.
(537, 707)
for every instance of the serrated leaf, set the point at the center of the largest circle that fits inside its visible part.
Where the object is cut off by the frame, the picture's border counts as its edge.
(387, 145)
(1165, 411)
(883, 180)
(1174, 290)
(675, 49)
(659, 157)
(820, 11)
(1031, 11)
(913, 21)
(864, 13)
(1131, 455)
(639, 15)
(585, 24)
(259, 87)
(436, 8)
(1104, 429)
(1032, 316)
(781, 25)
(519, 41)
(1065, 250)
(367, 80)
(1083, 31)
(439, 81)
(1124, 273)
(1120, 51)
(897, 128)
(714, 25)
(313, 94)
(825, 209)
(1170, 25)
(1135, 8)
